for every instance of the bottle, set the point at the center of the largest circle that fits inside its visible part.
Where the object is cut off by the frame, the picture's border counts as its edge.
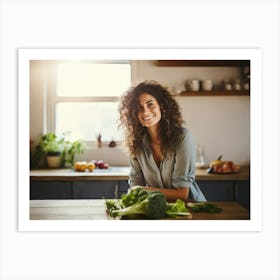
(199, 162)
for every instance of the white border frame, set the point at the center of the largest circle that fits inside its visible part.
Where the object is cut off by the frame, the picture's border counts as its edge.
(254, 55)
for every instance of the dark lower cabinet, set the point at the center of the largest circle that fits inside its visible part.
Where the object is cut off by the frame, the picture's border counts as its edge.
(50, 190)
(227, 191)
(94, 189)
(213, 190)
(217, 190)
(77, 189)
(243, 193)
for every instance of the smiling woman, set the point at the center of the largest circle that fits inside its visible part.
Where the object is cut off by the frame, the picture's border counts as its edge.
(161, 150)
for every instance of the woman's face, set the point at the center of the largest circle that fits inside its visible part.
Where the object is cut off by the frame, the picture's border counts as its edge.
(149, 114)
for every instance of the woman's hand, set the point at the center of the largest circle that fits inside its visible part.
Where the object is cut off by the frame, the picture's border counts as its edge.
(135, 187)
(172, 194)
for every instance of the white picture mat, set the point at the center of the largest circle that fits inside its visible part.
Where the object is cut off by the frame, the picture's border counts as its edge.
(142, 24)
(255, 57)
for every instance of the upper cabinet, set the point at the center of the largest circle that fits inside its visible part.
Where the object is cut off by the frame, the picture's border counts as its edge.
(231, 87)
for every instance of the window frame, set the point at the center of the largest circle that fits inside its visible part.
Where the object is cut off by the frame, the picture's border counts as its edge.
(52, 98)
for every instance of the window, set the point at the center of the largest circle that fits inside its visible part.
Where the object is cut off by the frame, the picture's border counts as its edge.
(86, 97)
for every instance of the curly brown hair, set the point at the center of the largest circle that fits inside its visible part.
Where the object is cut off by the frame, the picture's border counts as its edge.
(169, 126)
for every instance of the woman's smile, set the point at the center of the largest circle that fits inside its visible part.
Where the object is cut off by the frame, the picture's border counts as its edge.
(147, 119)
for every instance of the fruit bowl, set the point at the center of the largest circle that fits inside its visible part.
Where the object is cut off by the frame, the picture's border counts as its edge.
(223, 167)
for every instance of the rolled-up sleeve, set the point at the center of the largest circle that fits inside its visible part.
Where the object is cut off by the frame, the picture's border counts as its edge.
(184, 167)
(136, 177)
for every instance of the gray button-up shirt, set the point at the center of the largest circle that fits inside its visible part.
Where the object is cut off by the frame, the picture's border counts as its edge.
(176, 170)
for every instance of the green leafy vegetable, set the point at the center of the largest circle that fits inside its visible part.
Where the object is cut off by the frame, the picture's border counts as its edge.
(112, 204)
(153, 206)
(133, 196)
(150, 204)
(204, 207)
(178, 208)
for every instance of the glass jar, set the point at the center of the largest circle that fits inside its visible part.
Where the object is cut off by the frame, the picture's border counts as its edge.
(199, 156)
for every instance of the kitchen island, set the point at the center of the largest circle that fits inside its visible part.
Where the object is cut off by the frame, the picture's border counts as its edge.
(94, 209)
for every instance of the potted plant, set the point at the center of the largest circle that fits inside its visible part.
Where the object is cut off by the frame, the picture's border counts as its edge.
(73, 148)
(57, 150)
(52, 147)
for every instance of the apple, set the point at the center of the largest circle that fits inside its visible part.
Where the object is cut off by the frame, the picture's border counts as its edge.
(100, 164)
(228, 164)
(220, 169)
(217, 169)
(227, 170)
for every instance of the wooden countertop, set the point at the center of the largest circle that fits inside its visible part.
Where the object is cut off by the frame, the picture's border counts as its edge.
(121, 173)
(94, 209)
(242, 175)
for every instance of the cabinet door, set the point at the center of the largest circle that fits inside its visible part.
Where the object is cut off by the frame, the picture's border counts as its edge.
(217, 190)
(94, 189)
(50, 190)
(122, 188)
(243, 193)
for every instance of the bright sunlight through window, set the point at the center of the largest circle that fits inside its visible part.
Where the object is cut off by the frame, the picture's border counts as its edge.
(85, 120)
(86, 98)
(92, 79)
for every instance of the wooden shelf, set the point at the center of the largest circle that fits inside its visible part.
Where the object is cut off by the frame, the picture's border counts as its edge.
(202, 63)
(216, 93)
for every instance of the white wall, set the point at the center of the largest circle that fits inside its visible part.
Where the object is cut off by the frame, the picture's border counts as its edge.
(220, 123)
(37, 94)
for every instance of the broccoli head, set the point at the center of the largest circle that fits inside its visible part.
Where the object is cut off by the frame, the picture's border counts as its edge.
(152, 205)
(133, 196)
(111, 205)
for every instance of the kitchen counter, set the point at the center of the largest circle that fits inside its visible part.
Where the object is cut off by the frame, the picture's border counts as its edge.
(242, 175)
(68, 174)
(121, 173)
(94, 209)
